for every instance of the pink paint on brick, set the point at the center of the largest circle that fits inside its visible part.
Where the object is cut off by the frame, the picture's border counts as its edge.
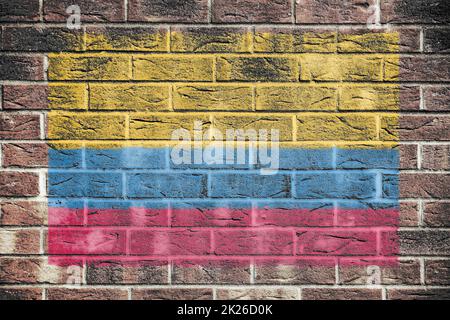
(134, 216)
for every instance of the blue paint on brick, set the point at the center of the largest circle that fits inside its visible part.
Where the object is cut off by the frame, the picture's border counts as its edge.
(371, 204)
(322, 185)
(166, 185)
(234, 204)
(295, 204)
(234, 185)
(390, 186)
(65, 203)
(301, 159)
(126, 158)
(367, 159)
(67, 158)
(84, 184)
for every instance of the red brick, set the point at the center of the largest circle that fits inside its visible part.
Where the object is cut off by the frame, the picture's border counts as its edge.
(424, 185)
(20, 293)
(436, 157)
(189, 11)
(86, 294)
(23, 213)
(26, 155)
(172, 294)
(341, 294)
(19, 184)
(216, 217)
(424, 128)
(409, 214)
(436, 214)
(409, 98)
(333, 11)
(20, 67)
(418, 294)
(256, 11)
(19, 10)
(257, 294)
(424, 68)
(408, 156)
(437, 272)
(23, 241)
(249, 242)
(170, 242)
(437, 98)
(25, 97)
(91, 10)
(19, 126)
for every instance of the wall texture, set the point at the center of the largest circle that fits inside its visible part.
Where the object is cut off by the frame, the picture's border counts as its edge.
(94, 207)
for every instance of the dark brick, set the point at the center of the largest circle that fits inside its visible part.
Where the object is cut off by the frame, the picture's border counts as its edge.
(424, 185)
(25, 97)
(42, 39)
(437, 39)
(409, 214)
(436, 157)
(235, 11)
(424, 242)
(437, 272)
(15, 67)
(415, 11)
(341, 294)
(86, 294)
(19, 10)
(418, 294)
(91, 10)
(257, 294)
(189, 11)
(409, 98)
(333, 11)
(437, 214)
(19, 184)
(25, 213)
(20, 293)
(437, 98)
(408, 156)
(172, 294)
(423, 68)
(424, 128)
(19, 126)
(26, 155)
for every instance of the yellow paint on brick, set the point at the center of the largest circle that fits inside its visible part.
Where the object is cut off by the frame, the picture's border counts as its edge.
(389, 127)
(340, 127)
(89, 67)
(221, 97)
(211, 40)
(67, 96)
(298, 97)
(140, 40)
(369, 97)
(330, 67)
(392, 68)
(85, 125)
(376, 42)
(138, 97)
(173, 68)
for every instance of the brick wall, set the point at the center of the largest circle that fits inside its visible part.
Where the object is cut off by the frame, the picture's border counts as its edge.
(92, 205)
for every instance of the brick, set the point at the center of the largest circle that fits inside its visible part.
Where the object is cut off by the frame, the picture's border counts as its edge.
(20, 67)
(331, 11)
(407, 272)
(23, 213)
(25, 155)
(408, 156)
(437, 98)
(96, 126)
(25, 97)
(162, 127)
(436, 272)
(346, 127)
(386, 158)
(173, 185)
(302, 271)
(419, 68)
(19, 184)
(86, 294)
(116, 271)
(217, 97)
(341, 294)
(91, 10)
(296, 98)
(133, 97)
(424, 242)
(89, 67)
(436, 157)
(246, 123)
(85, 184)
(355, 39)
(436, 214)
(19, 11)
(273, 69)
(409, 97)
(253, 11)
(211, 272)
(414, 11)
(419, 294)
(42, 39)
(317, 67)
(19, 241)
(83, 241)
(172, 68)
(189, 11)
(424, 128)
(424, 185)
(436, 40)
(257, 294)
(283, 40)
(249, 242)
(374, 97)
(21, 294)
(210, 39)
(172, 294)
(235, 185)
(146, 39)
(409, 214)
(170, 242)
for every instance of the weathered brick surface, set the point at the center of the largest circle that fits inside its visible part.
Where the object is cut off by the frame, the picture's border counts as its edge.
(20, 294)
(190, 11)
(19, 11)
(19, 184)
(91, 10)
(341, 294)
(257, 11)
(21, 67)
